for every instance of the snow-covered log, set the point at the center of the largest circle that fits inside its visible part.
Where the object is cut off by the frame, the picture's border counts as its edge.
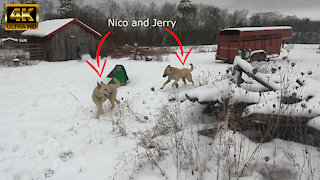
(315, 123)
(241, 65)
(293, 100)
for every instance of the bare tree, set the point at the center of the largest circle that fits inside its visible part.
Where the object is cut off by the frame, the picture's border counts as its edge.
(110, 8)
(47, 9)
(239, 18)
(134, 10)
(265, 19)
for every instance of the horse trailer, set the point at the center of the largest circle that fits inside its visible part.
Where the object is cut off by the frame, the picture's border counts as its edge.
(263, 42)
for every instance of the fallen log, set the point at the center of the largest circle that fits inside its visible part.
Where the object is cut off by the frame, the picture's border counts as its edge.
(241, 66)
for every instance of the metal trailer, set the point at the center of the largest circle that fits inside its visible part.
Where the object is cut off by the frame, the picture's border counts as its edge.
(266, 39)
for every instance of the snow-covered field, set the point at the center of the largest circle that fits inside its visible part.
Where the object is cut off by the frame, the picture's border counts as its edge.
(48, 129)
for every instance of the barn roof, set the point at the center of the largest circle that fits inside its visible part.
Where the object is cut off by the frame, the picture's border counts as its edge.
(50, 27)
(258, 28)
(13, 39)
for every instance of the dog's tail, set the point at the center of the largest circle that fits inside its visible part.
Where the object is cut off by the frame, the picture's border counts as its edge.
(191, 69)
(117, 82)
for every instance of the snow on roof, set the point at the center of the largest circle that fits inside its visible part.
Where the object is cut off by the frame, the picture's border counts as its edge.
(13, 39)
(257, 28)
(49, 27)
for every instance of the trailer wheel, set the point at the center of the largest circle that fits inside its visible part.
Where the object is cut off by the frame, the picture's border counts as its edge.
(262, 57)
(254, 57)
(258, 57)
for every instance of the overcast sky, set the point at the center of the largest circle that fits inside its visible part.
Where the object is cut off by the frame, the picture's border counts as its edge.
(300, 8)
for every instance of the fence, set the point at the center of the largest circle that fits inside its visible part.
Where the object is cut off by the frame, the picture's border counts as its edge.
(23, 52)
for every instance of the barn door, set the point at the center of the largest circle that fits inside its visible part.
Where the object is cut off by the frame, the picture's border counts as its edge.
(82, 50)
(84, 41)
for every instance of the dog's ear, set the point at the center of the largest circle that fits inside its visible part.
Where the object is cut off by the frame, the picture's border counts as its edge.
(102, 83)
(98, 85)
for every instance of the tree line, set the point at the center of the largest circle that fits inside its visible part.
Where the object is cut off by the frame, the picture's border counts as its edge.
(197, 24)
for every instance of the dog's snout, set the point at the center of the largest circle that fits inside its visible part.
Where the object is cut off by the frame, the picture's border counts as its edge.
(164, 75)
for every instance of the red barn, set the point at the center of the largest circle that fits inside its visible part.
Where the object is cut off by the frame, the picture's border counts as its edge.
(62, 39)
(268, 39)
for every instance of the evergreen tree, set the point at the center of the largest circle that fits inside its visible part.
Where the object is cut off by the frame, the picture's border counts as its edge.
(185, 21)
(186, 8)
(66, 8)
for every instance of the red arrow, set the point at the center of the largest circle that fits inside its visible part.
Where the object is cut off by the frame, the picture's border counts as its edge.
(98, 54)
(180, 45)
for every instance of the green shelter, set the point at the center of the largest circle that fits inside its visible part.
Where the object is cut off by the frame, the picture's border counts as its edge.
(120, 73)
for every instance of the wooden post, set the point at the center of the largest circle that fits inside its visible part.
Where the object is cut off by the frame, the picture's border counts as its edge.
(135, 50)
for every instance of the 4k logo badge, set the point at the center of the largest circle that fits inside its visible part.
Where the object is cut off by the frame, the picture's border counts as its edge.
(21, 17)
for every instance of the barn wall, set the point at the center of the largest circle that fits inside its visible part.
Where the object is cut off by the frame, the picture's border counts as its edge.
(44, 45)
(64, 44)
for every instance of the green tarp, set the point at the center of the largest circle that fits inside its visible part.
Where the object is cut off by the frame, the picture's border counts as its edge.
(120, 73)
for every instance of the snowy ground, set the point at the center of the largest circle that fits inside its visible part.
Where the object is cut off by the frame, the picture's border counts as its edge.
(48, 129)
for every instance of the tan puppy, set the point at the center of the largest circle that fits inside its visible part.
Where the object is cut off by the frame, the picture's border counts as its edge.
(177, 74)
(103, 92)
